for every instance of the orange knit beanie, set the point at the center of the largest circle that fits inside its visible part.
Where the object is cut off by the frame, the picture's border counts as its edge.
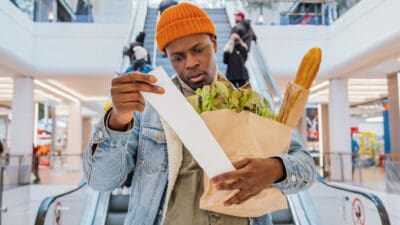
(182, 20)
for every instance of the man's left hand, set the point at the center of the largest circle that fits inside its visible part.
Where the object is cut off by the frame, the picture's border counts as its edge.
(251, 176)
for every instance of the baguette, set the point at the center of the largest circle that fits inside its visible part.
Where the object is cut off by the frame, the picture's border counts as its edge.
(305, 76)
(309, 68)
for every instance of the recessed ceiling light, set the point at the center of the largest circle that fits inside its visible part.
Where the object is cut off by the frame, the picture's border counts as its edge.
(398, 59)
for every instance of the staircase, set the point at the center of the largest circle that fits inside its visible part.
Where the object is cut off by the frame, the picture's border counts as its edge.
(223, 30)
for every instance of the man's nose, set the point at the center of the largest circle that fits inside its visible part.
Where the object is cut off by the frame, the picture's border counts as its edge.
(191, 61)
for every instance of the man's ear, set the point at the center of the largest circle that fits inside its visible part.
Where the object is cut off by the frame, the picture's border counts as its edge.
(214, 41)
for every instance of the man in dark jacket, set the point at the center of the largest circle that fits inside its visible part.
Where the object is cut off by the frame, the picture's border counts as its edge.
(244, 29)
(235, 54)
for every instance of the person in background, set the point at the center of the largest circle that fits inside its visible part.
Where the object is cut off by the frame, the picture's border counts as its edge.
(355, 155)
(35, 164)
(140, 63)
(167, 180)
(1, 148)
(244, 29)
(139, 41)
(235, 54)
(165, 4)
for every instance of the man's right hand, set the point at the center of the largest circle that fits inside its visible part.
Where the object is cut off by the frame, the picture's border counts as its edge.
(126, 97)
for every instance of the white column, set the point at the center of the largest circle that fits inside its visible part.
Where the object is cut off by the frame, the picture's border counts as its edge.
(74, 136)
(22, 120)
(323, 128)
(339, 130)
(394, 111)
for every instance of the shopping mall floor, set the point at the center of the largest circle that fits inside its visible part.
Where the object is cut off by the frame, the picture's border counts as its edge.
(58, 180)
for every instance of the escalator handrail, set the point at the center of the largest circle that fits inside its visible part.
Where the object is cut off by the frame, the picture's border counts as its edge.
(373, 198)
(46, 203)
(155, 44)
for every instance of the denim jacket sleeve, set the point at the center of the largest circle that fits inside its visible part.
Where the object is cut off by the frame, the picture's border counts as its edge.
(299, 166)
(110, 156)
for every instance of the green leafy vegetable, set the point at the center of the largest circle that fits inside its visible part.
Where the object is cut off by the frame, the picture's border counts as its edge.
(222, 95)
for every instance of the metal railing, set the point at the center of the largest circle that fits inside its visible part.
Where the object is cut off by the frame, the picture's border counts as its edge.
(357, 161)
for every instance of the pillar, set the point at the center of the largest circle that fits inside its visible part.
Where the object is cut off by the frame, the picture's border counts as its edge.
(74, 136)
(323, 128)
(22, 120)
(394, 114)
(339, 131)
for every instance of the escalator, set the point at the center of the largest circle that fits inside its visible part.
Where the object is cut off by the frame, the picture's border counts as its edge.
(312, 207)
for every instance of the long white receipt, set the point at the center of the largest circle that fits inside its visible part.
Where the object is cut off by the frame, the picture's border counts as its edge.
(188, 125)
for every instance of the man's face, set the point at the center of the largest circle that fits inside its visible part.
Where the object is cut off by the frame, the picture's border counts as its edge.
(193, 58)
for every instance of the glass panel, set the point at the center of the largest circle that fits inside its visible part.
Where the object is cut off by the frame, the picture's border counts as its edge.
(392, 168)
(289, 12)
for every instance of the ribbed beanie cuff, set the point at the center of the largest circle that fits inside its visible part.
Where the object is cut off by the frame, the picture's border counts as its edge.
(182, 20)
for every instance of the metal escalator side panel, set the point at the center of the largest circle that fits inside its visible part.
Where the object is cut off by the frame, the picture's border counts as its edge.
(66, 205)
(346, 206)
(302, 209)
(96, 207)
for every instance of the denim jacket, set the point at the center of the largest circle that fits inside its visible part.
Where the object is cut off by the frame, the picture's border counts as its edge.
(153, 151)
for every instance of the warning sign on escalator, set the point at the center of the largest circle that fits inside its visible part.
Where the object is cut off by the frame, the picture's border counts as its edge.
(358, 212)
(57, 213)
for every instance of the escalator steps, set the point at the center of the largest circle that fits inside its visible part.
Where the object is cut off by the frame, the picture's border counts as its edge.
(119, 203)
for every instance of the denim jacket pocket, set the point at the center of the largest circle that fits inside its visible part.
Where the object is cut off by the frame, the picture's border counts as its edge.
(152, 150)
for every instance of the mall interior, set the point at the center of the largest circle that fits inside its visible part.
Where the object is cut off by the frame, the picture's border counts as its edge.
(58, 57)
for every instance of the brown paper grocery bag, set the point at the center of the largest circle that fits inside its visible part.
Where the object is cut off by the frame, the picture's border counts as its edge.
(242, 135)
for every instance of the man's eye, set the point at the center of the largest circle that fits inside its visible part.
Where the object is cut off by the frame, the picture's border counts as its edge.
(177, 58)
(198, 50)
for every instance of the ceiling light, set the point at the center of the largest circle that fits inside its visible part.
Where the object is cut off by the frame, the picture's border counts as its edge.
(368, 87)
(398, 59)
(76, 94)
(367, 82)
(319, 86)
(48, 96)
(52, 89)
(6, 79)
(65, 88)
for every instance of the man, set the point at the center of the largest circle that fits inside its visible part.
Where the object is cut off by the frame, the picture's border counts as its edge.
(244, 29)
(167, 181)
(235, 54)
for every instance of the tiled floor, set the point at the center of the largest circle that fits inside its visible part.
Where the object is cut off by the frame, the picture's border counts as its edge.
(59, 176)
